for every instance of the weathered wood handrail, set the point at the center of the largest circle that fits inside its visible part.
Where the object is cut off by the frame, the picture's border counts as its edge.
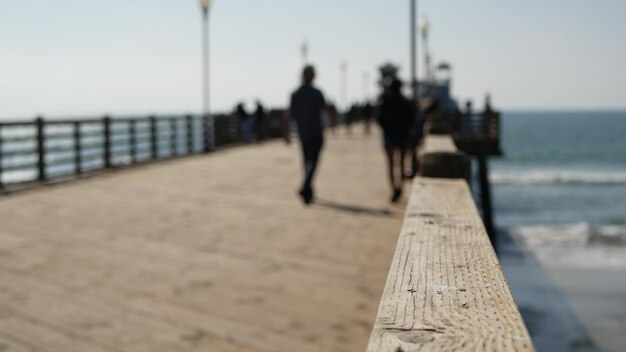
(440, 158)
(445, 289)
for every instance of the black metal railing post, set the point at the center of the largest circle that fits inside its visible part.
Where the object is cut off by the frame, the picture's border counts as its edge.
(132, 141)
(107, 141)
(1, 156)
(41, 149)
(485, 198)
(153, 137)
(189, 125)
(207, 132)
(173, 137)
(77, 149)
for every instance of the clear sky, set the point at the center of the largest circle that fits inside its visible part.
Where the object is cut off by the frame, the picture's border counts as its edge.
(90, 57)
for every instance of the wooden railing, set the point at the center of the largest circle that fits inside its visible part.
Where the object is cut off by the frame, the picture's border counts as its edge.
(43, 150)
(445, 290)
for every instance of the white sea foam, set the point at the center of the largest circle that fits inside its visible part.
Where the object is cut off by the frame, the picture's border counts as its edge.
(555, 177)
(579, 245)
(571, 235)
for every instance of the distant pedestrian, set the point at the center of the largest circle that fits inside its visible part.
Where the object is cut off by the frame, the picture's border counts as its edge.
(470, 119)
(244, 122)
(332, 117)
(349, 118)
(306, 107)
(396, 120)
(488, 109)
(368, 110)
(415, 138)
(259, 121)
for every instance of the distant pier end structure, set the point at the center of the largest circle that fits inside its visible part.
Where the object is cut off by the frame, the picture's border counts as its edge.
(475, 132)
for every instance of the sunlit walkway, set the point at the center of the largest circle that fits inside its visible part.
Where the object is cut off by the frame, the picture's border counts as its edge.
(208, 253)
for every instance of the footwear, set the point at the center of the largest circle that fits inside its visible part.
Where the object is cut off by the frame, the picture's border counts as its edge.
(397, 193)
(306, 195)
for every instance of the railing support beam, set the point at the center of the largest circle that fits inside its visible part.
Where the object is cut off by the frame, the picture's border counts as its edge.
(41, 149)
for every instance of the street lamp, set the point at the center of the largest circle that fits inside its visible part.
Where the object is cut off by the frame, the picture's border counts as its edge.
(209, 141)
(304, 51)
(366, 83)
(344, 83)
(413, 49)
(424, 27)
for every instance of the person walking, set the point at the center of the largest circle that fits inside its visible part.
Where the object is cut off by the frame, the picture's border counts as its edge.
(368, 111)
(306, 108)
(396, 120)
(244, 122)
(259, 121)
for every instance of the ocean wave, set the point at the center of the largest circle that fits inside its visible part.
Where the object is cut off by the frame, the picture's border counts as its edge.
(576, 245)
(556, 177)
(571, 235)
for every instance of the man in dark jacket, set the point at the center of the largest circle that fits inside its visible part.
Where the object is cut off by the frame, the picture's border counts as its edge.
(306, 107)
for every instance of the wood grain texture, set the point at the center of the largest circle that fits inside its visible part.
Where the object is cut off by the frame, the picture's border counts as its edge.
(445, 290)
(434, 143)
(440, 158)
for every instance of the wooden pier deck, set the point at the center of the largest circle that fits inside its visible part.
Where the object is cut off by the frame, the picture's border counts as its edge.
(208, 253)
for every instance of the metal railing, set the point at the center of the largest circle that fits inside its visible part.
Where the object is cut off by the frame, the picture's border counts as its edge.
(42, 149)
(480, 125)
(477, 133)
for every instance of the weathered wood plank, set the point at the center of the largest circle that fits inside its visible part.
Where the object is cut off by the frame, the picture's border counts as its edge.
(434, 143)
(445, 290)
(439, 157)
(9, 343)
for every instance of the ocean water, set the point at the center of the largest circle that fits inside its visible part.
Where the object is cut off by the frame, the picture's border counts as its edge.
(560, 188)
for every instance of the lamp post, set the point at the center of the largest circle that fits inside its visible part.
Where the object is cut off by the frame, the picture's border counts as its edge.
(424, 27)
(413, 28)
(344, 83)
(366, 83)
(304, 51)
(209, 141)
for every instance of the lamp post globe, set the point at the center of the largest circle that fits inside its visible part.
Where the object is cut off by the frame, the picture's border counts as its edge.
(304, 50)
(209, 141)
(205, 5)
(424, 27)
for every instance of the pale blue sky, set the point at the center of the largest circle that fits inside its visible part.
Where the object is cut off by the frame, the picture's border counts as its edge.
(89, 57)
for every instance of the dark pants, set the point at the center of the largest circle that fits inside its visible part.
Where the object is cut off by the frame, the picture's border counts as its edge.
(311, 148)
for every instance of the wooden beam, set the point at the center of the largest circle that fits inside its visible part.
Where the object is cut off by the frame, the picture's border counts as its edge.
(439, 157)
(445, 290)
(438, 143)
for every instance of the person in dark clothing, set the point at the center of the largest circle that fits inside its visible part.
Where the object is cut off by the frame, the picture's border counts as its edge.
(306, 107)
(350, 117)
(259, 121)
(244, 124)
(488, 110)
(367, 116)
(414, 139)
(396, 120)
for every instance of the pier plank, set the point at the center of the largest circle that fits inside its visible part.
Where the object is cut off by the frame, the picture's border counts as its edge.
(445, 289)
(9, 343)
(214, 250)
